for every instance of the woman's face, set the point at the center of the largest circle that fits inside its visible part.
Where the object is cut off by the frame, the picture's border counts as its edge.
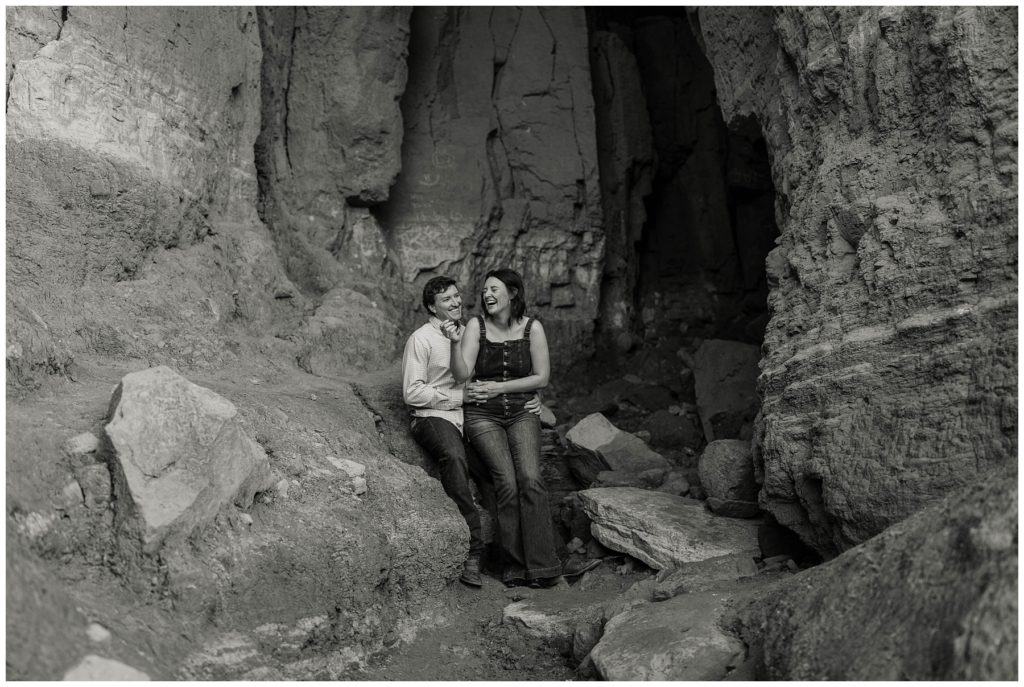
(496, 296)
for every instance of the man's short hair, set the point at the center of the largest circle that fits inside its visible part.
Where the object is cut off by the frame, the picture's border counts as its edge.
(433, 287)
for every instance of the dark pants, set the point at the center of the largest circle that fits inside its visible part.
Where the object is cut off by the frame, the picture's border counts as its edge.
(442, 440)
(508, 443)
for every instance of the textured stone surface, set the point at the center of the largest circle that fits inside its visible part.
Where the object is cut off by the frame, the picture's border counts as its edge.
(626, 157)
(663, 530)
(620, 451)
(889, 371)
(331, 136)
(725, 381)
(499, 160)
(97, 668)
(933, 597)
(181, 456)
(131, 189)
(678, 639)
(727, 471)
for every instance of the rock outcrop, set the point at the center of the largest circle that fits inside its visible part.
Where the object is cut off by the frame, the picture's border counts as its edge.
(933, 598)
(889, 370)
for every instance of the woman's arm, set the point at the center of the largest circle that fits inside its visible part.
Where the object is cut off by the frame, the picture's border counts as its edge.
(464, 351)
(541, 368)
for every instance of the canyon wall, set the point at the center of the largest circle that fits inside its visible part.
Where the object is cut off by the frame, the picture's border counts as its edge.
(499, 161)
(131, 189)
(889, 369)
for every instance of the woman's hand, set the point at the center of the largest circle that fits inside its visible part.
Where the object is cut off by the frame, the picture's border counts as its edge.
(481, 392)
(453, 330)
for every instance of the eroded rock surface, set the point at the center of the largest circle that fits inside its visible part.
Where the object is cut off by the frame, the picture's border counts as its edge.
(678, 639)
(889, 371)
(951, 568)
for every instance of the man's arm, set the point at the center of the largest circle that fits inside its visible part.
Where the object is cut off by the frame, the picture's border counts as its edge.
(415, 390)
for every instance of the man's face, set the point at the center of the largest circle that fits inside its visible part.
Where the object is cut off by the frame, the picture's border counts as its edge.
(448, 304)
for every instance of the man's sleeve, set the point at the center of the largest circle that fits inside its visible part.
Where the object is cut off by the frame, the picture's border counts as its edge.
(415, 390)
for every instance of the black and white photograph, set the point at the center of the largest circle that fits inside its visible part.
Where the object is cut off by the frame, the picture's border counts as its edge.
(499, 343)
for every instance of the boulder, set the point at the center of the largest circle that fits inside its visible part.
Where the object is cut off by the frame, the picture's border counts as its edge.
(676, 430)
(663, 530)
(180, 455)
(727, 471)
(932, 598)
(679, 639)
(725, 381)
(594, 435)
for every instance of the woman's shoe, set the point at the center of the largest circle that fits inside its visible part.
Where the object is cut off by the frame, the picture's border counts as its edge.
(515, 582)
(577, 569)
(547, 582)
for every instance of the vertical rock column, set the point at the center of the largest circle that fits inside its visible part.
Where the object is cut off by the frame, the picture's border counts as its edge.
(499, 162)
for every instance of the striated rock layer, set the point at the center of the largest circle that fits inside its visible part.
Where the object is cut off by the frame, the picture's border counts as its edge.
(889, 368)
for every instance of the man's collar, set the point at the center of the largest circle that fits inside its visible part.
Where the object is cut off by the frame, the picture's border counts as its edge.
(435, 323)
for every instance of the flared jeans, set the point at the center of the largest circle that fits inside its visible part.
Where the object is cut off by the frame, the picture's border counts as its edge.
(508, 443)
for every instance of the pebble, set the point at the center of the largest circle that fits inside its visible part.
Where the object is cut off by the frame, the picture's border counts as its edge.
(94, 667)
(359, 485)
(246, 518)
(282, 488)
(97, 632)
(81, 444)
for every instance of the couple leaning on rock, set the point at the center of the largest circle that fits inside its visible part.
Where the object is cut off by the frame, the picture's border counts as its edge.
(505, 354)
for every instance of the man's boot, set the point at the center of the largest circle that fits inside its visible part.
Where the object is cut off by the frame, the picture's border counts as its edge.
(471, 573)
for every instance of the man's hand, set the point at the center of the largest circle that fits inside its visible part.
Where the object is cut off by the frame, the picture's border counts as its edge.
(453, 330)
(534, 405)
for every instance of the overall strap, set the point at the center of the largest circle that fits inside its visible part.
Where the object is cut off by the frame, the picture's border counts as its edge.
(526, 332)
(483, 331)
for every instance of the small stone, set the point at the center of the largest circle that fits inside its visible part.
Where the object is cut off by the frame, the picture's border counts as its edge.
(94, 480)
(576, 545)
(359, 486)
(94, 667)
(782, 558)
(791, 564)
(282, 488)
(97, 632)
(627, 567)
(312, 397)
(643, 435)
(72, 494)
(81, 444)
(675, 410)
(547, 417)
(99, 188)
(632, 379)
(246, 518)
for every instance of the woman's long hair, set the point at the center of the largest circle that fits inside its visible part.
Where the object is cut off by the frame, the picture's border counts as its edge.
(517, 293)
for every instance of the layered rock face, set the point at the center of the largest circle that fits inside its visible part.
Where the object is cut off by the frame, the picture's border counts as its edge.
(499, 162)
(889, 369)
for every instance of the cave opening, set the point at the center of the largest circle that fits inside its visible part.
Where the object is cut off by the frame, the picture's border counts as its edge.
(689, 201)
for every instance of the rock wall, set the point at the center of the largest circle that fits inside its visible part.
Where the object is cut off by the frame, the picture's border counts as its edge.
(499, 162)
(889, 369)
(131, 223)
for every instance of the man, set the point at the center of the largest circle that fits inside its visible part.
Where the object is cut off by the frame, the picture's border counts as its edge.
(436, 401)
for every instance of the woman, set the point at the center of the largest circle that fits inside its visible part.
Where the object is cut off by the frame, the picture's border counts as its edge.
(507, 354)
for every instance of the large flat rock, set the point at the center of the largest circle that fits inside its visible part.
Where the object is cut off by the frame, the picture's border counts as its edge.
(662, 530)
(678, 639)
